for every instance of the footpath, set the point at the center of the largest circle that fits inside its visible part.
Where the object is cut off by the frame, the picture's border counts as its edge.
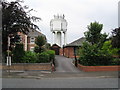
(64, 69)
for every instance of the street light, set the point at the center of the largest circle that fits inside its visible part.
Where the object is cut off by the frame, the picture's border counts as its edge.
(75, 56)
(8, 57)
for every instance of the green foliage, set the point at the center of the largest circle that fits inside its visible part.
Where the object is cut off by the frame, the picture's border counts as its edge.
(51, 54)
(116, 38)
(40, 42)
(18, 53)
(94, 35)
(107, 48)
(43, 57)
(116, 61)
(37, 49)
(32, 57)
(29, 57)
(47, 46)
(15, 19)
(91, 55)
(96, 51)
(46, 56)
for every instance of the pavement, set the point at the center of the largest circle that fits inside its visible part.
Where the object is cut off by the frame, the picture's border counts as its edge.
(64, 69)
(65, 76)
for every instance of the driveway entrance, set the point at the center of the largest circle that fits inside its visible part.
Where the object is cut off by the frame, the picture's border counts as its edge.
(64, 64)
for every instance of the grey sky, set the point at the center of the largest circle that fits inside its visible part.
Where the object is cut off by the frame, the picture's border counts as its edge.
(78, 13)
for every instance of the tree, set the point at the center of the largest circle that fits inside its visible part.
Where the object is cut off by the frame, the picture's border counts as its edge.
(18, 53)
(116, 39)
(94, 35)
(47, 46)
(95, 51)
(15, 19)
(40, 41)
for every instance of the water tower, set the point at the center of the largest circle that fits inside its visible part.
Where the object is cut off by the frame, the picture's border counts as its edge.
(58, 27)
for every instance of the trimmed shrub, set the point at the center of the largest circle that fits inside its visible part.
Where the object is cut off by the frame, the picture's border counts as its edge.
(51, 54)
(43, 57)
(92, 55)
(29, 57)
(116, 61)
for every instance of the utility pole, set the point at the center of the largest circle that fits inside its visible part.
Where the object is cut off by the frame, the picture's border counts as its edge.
(8, 56)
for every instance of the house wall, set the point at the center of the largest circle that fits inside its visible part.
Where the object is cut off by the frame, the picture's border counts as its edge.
(23, 39)
(68, 52)
(29, 45)
(26, 41)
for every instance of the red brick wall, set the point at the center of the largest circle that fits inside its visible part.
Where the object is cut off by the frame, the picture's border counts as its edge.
(25, 66)
(98, 68)
(61, 51)
(68, 52)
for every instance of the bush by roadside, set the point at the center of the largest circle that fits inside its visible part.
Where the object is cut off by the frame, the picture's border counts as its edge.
(32, 57)
(29, 57)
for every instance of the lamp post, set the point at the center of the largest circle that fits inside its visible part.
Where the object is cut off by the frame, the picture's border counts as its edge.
(75, 56)
(63, 50)
(8, 57)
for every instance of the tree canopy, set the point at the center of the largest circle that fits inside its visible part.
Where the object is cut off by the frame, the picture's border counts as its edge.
(116, 38)
(15, 19)
(40, 41)
(94, 35)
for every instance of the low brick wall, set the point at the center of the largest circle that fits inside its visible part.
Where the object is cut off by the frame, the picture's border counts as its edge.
(98, 68)
(30, 66)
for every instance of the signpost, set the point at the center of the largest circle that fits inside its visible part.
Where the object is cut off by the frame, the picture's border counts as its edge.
(8, 57)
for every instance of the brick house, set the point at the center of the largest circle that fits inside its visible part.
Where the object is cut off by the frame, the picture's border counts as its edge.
(70, 49)
(29, 39)
(56, 48)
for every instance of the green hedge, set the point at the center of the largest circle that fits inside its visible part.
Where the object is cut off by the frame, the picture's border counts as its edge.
(18, 53)
(51, 54)
(92, 55)
(43, 57)
(46, 56)
(32, 57)
(29, 57)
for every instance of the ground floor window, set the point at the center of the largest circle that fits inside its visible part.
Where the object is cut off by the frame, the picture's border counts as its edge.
(32, 49)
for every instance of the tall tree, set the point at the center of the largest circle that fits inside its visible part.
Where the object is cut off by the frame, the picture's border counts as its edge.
(116, 39)
(40, 42)
(93, 35)
(15, 19)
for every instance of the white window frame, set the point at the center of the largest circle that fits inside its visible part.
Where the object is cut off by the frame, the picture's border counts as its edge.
(32, 49)
(32, 40)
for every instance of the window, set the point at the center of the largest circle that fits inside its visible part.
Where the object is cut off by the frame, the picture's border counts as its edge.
(32, 40)
(32, 49)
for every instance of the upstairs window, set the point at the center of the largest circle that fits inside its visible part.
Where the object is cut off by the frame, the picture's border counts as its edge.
(32, 40)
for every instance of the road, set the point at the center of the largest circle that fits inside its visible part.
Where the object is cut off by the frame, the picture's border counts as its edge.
(65, 76)
(65, 65)
(61, 83)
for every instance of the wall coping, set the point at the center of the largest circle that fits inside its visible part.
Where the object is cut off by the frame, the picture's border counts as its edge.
(27, 63)
(100, 66)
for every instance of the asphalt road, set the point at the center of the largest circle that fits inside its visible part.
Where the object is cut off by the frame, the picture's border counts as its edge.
(65, 76)
(65, 65)
(61, 83)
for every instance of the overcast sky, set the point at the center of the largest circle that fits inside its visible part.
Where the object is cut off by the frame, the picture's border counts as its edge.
(78, 13)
